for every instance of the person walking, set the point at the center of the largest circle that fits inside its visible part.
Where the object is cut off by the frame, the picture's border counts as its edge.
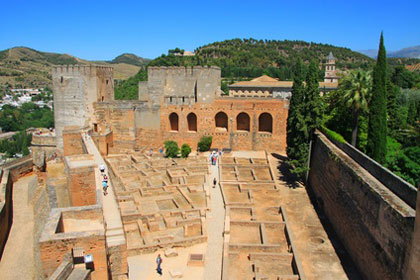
(214, 182)
(105, 187)
(159, 262)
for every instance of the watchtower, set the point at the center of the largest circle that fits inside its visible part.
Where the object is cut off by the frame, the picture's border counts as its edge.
(76, 88)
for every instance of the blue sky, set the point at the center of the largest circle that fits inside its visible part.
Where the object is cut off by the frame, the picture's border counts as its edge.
(101, 30)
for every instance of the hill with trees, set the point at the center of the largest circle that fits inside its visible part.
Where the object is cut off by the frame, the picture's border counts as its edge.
(23, 67)
(131, 59)
(251, 58)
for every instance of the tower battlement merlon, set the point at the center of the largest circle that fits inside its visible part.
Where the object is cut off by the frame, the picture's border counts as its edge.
(85, 69)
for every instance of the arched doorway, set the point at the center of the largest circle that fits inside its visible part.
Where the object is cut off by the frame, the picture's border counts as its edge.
(173, 120)
(192, 122)
(265, 123)
(221, 120)
(243, 122)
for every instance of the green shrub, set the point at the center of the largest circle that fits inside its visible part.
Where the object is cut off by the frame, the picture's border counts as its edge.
(205, 143)
(185, 150)
(334, 135)
(171, 149)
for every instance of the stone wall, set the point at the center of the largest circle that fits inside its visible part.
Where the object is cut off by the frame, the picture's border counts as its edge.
(373, 223)
(43, 149)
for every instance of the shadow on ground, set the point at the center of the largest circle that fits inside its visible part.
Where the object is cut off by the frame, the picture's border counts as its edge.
(291, 179)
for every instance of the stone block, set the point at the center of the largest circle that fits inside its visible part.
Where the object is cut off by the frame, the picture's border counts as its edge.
(175, 273)
(171, 252)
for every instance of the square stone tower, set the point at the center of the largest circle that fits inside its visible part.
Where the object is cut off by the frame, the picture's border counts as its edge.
(76, 88)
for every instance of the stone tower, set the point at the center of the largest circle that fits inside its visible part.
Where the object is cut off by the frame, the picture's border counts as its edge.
(330, 73)
(76, 88)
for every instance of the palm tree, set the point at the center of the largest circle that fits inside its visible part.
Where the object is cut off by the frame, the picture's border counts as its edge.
(356, 88)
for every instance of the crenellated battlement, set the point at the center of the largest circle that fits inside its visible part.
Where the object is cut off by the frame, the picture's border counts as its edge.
(79, 68)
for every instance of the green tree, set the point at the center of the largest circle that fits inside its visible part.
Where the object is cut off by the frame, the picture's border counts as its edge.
(205, 143)
(171, 149)
(355, 89)
(376, 145)
(297, 133)
(185, 150)
(393, 92)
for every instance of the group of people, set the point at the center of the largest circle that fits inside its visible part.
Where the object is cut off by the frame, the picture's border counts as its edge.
(104, 179)
(214, 156)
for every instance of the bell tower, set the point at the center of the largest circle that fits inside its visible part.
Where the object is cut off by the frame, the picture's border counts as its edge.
(330, 73)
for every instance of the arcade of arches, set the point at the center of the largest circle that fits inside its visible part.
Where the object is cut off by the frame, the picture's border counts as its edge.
(235, 124)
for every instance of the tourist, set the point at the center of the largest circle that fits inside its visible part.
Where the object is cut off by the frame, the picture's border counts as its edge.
(214, 182)
(105, 187)
(105, 178)
(151, 152)
(102, 168)
(159, 262)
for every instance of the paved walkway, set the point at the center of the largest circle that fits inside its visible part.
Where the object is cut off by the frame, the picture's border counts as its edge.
(215, 227)
(114, 229)
(18, 257)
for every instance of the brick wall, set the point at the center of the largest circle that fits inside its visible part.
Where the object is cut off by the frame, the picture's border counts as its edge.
(81, 182)
(72, 139)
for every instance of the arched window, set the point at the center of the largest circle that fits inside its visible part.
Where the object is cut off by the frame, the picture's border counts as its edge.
(192, 122)
(242, 122)
(265, 123)
(173, 120)
(221, 120)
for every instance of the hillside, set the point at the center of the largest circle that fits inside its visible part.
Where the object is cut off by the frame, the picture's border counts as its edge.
(25, 67)
(251, 58)
(129, 58)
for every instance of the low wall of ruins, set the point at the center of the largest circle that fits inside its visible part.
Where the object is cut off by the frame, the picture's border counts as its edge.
(373, 223)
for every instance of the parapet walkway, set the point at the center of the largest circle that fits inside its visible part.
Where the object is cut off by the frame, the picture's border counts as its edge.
(114, 228)
(18, 256)
(215, 227)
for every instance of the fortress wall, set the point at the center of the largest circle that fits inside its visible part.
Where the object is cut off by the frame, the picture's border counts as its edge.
(374, 225)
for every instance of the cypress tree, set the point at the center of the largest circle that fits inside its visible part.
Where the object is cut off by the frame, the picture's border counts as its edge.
(297, 132)
(295, 111)
(313, 104)
(376, 145)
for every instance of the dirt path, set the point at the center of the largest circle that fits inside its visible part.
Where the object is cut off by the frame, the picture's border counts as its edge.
(17, 261)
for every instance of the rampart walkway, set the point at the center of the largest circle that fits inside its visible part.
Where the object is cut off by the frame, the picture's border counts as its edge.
(114, 228)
